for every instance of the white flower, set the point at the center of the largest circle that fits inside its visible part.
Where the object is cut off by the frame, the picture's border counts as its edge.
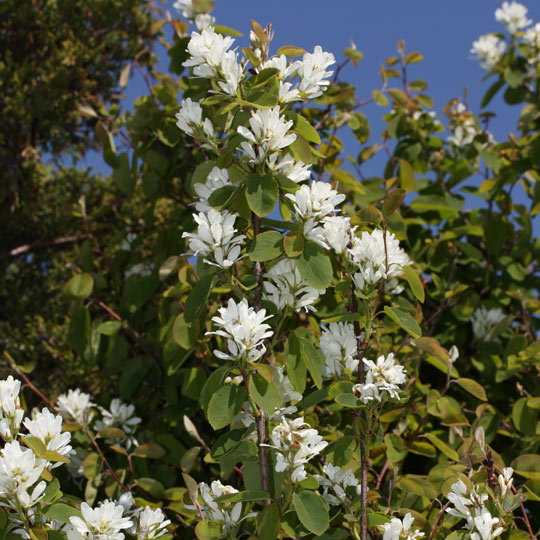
(461, 503)
(505, 480)
(315, 201)
(47, 427)
(513, 15)
(207, 51)
(484, 523)
(337, 232)
(339, 347)
(268, 131)
(397, 529)
(215, 236)
(232, 71)
(189, 119)
(245, 331)
(313, 72)
(228, 513)
(11, 414)
(217, 178)
(120, 415)
(532, 36)
(102, 523)
(73, 404)
(19, 471)
(293, 170)
(464, 134)
(296, 443)
(285, 287)
(151, 524)
(285, 387)
(203, 21)
(484, 320)
(378, 257)
(383, 376)
(488, 49)
(185, 7)
(338, 482)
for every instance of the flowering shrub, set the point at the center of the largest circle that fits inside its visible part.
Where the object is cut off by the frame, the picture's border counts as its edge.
(329, 357)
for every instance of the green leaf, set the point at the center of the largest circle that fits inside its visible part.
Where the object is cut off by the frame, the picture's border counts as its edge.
(183, 332)
(404, 320)
(110, 328)
(36, 445)
(221, 196)
(414, 283)
(374, 519)
(61, 512)
(301, 149)
(122, 174)
(315, 266)
(491, 91)
(245, 496)
(266, 394)
(393, 201)
(268, 522)
(418, 485)
(293, 243)
(370, 214)
(523, 417)
(150, 450)
(80, 286)
(262, 194)
(442, 446)
(395, 448)
(406, 175)
(152, 486)
(208, 530)
(313, 359)
(266, 246)
(348, 399)
(79, 329)
(380, 98)
(305, 129)
(527, 465)
(474, 388)
(91, 466)
(226, 443)
(291, 50)
(198, 297)
(413, 58)
(312, 511)
(225, 404)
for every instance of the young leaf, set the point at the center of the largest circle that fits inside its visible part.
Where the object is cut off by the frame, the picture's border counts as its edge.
(315, 266)
(313, 359)
(266, 394)
(404, 320)
(79, 287)
(474, 388)
(406, 175)
(198, 297)
(414, 283)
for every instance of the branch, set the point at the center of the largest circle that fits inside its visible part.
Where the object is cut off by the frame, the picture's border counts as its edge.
(38, 244)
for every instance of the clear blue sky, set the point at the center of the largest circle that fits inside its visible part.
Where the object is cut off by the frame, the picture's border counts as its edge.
(441, 30)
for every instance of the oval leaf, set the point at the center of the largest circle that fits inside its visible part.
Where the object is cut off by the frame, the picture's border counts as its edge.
(312, 511)
(315, 266)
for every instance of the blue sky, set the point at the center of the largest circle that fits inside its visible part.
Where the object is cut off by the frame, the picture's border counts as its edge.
(442, 31)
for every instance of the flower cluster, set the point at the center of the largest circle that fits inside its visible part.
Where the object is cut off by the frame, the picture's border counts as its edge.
(378, 256)
(337, 481)
(11, 414)
(190, 121)
(217, 178)
(216, 238)
(398, 529)
(464, 126)
(382, 378)
(296, 444)
(201, 20)
(339, 346)
(484, 320)
(244, 329)
(285, 287)
(488, 49)
(513, 15)
(469, 503)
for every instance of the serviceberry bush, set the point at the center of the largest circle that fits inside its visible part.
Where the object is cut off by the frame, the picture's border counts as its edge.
(328, 356)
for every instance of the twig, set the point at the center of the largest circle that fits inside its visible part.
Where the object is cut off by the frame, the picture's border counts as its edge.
(437, 518)
(34, 389)
(25, 248)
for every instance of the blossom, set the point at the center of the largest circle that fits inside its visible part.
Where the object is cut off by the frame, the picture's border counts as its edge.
(285, 287)
(227, 513)
(484, 320)
(102, 523)
(216, 237)
(513, 15)
(505, 480)
(287, 93)
(383, 376)
(337, 481)
(232, 71)
(488, 49)
(47, 427)
(484, 523)
(378, 256)
(268, 132)
(337, 232)
(339, 346)
(150, 524)
(120, 415)
(293, 170)
(19, 471)
(207, 51)
(397, 529)
(11, 414)
(217, 178)
(189, 119)
(532, 36)
(73, 404)
(313, 72)
(315, 201)
(245, 331)
(296, 443)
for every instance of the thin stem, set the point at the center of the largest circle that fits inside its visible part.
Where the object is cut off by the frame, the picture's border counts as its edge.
(437, 518)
